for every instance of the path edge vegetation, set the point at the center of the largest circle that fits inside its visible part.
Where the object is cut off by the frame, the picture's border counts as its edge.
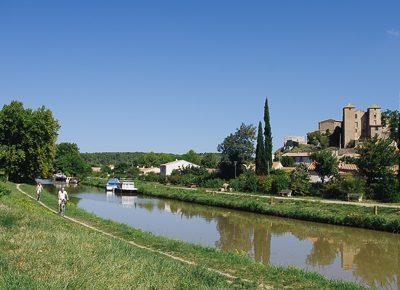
(237, 264)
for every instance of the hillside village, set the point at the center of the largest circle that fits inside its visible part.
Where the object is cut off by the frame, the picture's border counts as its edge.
(341, 137)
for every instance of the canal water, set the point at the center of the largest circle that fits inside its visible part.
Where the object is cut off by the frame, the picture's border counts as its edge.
(371, 258)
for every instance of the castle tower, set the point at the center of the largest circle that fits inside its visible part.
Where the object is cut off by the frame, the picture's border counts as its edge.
(374, 121)
(348, 125)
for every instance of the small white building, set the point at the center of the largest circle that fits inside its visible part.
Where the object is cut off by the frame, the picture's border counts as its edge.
(300, 157)
(290, 141)
(96, 169)
(277, 165)
(167, 168)
(147, 170)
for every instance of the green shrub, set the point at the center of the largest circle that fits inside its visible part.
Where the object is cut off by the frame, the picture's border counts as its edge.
(235, 184)
(340, 187)
(333, 189)
(287, 161)
(280, 181)
(153, 177)
(353, 185)
(174, 179)
(266, 184)
(3, 177)
(387, 190)
(212, 183)
(249, 181)
(300, 180)
(4, 190)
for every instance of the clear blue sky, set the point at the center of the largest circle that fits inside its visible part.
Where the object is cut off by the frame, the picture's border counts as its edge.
(177, 75)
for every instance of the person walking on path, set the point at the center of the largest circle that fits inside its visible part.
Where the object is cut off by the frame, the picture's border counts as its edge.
(39, 189)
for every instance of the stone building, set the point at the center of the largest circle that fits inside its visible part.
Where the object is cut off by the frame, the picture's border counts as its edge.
(329, 126)
(356, 125)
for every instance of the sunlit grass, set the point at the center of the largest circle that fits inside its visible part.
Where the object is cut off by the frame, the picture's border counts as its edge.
(45, 251)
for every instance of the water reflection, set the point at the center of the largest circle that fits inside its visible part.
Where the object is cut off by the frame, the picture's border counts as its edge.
(368, 257)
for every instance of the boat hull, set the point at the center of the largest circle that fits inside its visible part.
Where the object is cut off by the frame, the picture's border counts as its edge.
(125, 191)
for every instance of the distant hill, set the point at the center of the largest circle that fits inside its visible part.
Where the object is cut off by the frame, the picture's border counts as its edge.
(149, 159)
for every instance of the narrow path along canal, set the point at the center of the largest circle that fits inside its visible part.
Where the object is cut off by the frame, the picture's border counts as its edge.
(368, 257)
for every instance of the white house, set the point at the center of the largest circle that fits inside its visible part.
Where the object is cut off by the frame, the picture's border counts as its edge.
(167, 168)
(300, 157)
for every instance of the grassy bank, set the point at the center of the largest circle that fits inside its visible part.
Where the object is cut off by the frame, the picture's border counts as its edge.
(346, 215)
(42, 250)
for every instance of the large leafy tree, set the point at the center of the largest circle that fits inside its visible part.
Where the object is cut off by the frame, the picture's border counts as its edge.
(300, 180)
(326, 165)
(27, 141)
(376, 160)
(237, 147)
(391, 119)
(192, 156)
(377, 157)
(261, 164)
(267, 135)
(210, 160)
(70, 162)
(321, 140)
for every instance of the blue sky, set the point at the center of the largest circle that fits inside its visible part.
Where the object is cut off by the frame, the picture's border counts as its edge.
(169, 76)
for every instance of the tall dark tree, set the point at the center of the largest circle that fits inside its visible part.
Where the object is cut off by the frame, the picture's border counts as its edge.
(267, 135)
(261, 164)
(391, 119)
(398, 149)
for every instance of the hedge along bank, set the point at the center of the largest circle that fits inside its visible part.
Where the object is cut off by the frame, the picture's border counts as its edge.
(388, 219)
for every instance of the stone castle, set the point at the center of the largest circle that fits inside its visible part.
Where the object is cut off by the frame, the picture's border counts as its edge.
(356, 125)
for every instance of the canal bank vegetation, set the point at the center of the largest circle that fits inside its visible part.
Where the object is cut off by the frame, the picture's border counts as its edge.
(387, 219)
(32, 238)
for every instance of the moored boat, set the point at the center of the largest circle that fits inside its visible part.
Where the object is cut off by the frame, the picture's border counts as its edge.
(112, 184)
(125, 187)
(60, 177)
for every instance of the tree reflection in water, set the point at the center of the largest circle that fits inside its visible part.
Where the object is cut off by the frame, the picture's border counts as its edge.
(323, 253)
(371, 256)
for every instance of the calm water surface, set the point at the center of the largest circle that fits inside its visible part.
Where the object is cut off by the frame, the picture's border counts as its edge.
(368, 257)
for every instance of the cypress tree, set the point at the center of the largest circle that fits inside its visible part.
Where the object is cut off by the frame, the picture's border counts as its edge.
(268, 136)
(398, 148)
(261, 165)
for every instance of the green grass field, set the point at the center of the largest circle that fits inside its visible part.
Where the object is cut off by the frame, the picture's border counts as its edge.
(42, 250)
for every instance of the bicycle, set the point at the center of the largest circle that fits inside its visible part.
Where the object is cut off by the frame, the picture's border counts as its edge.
(62, 207)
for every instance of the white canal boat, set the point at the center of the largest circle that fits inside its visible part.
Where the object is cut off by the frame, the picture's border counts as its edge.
(125, 187)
